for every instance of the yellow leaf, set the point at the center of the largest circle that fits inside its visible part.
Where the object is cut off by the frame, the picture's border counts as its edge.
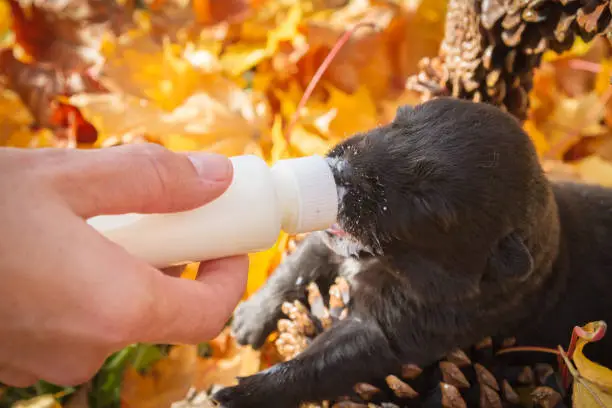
(5, 19)
(261, 37)
(280, 149)
(241, 57)
(287, 29)
(166, 74)
(602, 81)
(308, 143)
(261, 264)
(190, 271)
(593, 387)
(201, 123)
(289, 98)
(594, 169)
(537, 137)
(579, 48)
(15, 120)
(356, 112)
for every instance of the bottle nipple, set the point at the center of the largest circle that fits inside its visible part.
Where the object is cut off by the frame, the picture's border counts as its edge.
(307, 194)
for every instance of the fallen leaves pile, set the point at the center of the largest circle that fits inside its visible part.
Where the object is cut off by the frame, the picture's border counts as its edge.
(229, 76)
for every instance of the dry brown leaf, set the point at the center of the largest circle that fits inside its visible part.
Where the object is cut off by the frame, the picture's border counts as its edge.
(365, 49)
(66, 34)
(39, 85)
(210, 11)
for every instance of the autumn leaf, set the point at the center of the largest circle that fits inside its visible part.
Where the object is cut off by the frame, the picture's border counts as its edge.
(5, 20)
(263, 263)
(596, 170)
(202, 122)
(347, 122)
(39, 86)
(135, 64)
(15, 121)
(73, 125)
(577, 69)
(592, 382)
(227, 362)
(64, 34)
(165, 382)
(262, 36)
(209, 11)
(170, 378)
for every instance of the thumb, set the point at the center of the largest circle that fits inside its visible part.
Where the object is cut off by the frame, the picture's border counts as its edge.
(143, 178)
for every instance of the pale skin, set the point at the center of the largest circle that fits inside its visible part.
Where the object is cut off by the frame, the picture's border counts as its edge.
(68, 296)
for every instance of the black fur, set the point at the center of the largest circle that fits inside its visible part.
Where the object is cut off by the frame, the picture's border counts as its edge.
(452, 233)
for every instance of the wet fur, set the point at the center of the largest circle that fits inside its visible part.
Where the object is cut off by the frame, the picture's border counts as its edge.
(454, 233)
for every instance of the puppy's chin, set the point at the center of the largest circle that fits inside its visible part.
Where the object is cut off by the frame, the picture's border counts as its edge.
(346, 245)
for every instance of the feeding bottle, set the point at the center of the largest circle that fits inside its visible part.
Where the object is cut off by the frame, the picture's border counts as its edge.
(294, 195)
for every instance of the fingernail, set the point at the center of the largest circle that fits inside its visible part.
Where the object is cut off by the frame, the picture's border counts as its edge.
(211, 166)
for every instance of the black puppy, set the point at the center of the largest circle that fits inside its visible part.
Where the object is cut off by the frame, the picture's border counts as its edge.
(449, 231)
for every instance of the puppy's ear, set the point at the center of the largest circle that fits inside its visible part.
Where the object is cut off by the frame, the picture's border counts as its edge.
(510, 259)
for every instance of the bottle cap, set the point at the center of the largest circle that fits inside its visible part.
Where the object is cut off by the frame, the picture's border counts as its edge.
(307, 194)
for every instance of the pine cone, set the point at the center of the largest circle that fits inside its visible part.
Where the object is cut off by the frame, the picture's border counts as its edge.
(475, 377)
(491, 47)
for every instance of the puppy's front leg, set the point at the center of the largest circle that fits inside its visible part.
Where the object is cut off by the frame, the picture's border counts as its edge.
(312, 261)
(351, 351)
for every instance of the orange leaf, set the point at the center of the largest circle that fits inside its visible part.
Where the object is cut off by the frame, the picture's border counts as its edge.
(167, 381)
(210, 11)
(70, 118)
(39, 85)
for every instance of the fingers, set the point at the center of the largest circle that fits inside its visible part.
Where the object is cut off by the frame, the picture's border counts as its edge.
(189, 311)
(141, 178)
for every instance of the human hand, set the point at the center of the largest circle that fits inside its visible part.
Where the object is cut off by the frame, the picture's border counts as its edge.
(68, 296)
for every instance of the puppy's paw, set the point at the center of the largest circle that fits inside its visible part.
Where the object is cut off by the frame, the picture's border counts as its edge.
(228, 397)
(253, 322)
(239, 397)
